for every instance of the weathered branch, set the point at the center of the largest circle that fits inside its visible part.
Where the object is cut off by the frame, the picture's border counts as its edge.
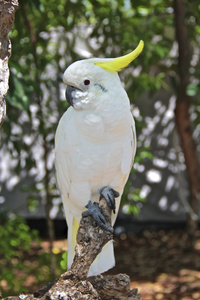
(74, 283)
(7, 14)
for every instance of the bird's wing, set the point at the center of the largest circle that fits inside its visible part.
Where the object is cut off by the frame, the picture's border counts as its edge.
(128, 154)
(129, 151)
(65, 147)
(62, 160)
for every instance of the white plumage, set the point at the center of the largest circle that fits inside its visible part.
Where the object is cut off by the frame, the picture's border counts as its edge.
(95, 146)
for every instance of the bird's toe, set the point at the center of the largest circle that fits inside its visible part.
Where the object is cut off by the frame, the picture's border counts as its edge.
(109, 195)
(94, 211)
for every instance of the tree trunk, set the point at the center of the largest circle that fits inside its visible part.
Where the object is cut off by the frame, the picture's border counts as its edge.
(7, 15)
(74, 284)
(182, 114)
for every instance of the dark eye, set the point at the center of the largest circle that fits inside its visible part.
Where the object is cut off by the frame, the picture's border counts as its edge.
(86, 81)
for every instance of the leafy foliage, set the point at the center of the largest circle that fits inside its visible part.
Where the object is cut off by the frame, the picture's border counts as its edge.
(15, 239)
(14, 233)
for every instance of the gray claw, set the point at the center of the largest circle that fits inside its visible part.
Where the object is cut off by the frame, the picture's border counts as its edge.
(109, 195)
(93, 210)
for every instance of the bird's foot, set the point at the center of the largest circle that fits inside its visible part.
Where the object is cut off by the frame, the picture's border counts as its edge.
(109, 195)
(94, 211)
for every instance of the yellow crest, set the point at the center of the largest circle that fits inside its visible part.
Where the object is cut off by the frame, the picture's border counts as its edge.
(117, 64)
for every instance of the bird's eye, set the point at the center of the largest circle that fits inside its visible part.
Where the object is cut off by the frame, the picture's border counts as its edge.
(86, 82)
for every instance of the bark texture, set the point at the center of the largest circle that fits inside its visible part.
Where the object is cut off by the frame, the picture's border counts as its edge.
(7, 15)
(182, 113)
(74, 283)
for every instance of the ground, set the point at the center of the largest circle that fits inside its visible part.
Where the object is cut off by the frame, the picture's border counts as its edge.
(161, 264)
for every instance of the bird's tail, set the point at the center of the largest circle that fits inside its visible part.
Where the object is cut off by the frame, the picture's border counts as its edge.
(73, 226)
(104, 261)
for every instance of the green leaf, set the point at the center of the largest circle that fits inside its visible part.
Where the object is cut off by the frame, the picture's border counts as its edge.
(193, 89)
(63, 262)
(17, 96)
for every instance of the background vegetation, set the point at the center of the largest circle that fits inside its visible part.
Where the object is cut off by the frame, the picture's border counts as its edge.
(46, 38)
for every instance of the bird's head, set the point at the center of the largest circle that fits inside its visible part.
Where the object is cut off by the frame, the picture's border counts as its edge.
(88, 79)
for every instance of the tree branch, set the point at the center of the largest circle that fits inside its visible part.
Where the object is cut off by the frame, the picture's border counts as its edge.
(74, 283)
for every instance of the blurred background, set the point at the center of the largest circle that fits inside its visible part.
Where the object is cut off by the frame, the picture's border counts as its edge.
(157, 237)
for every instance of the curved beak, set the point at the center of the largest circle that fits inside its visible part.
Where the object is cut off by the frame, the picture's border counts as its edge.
(71, 94)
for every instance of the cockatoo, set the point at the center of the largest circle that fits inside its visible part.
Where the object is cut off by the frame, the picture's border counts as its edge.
(95, 146)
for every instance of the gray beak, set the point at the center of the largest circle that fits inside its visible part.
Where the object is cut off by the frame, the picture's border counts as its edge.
(70, 94)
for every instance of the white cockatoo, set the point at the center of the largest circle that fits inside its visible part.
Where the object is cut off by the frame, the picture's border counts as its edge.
(95, 146)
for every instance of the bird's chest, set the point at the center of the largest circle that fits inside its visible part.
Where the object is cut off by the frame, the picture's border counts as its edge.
(95, 148)
(100, 129)
(91, 127)
(95, 164)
